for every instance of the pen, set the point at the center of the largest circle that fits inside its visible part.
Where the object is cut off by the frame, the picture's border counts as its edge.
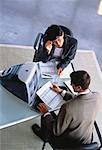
(72, 66)
(48, 75)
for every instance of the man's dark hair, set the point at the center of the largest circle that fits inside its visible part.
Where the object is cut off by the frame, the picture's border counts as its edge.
(52, 32)
(81, 78)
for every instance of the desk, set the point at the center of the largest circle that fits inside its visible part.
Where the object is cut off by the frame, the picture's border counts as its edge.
(13, 110)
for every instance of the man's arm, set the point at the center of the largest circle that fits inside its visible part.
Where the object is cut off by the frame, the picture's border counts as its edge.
(60, 123)
(63, 120)
(47, 117)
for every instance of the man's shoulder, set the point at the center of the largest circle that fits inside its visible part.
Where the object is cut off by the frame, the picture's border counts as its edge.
(96, 94)
(71, 101)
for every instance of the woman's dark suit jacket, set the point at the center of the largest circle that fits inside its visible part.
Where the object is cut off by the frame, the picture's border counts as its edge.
(69, 51)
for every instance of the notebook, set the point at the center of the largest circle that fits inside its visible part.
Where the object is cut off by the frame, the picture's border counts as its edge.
(51, 98)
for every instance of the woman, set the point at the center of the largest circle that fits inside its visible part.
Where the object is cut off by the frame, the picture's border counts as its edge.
(58, 45)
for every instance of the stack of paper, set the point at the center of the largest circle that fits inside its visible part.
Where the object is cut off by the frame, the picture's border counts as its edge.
(47, 69)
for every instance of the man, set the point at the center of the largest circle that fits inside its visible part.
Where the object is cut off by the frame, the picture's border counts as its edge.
(75, 121)
(57, 44)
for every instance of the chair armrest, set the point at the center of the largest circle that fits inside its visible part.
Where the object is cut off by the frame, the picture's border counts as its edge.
(98, 133)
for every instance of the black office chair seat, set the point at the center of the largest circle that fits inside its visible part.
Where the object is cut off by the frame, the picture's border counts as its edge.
(92, 146)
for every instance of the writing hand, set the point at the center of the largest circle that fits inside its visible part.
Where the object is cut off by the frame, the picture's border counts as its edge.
(56, 88)
(42, 108)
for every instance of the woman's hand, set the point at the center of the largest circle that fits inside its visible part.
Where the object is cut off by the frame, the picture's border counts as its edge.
(48, 46)
(42, 108)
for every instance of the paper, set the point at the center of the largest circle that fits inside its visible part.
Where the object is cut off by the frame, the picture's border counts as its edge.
(48, 69)
(67, 71)
(51, 98)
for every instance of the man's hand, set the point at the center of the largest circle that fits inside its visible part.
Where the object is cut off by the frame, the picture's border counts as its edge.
(48, 46)
(43, 108)
(59, 71)
(56, 88)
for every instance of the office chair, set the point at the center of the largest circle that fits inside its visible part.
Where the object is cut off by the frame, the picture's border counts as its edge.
(39, 40)
(92, 146)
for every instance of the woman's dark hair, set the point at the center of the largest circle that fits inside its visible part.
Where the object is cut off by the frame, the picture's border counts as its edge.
(52, 32)
(81, 78)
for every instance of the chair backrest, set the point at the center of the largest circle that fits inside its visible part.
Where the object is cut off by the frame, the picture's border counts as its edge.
(37, 44)
(38, 41)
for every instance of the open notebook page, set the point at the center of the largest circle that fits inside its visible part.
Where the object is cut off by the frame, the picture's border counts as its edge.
(51, 98)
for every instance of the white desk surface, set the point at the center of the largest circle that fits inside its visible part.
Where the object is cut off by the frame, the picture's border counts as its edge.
(13, 110)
